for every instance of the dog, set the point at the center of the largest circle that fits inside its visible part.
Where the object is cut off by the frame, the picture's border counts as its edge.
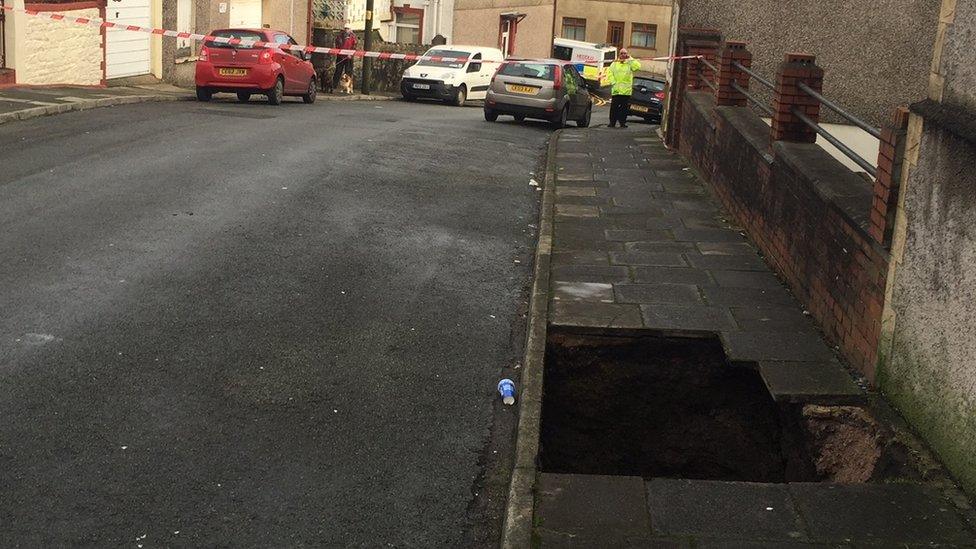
(345, 84)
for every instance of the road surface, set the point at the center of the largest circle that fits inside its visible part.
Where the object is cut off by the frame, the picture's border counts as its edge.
(243, 325)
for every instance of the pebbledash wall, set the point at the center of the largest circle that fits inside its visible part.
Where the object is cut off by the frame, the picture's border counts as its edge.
(927, 365)
(876, 53)
(47, 52)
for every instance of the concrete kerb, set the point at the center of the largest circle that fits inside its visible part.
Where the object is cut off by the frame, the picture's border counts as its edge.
(35, 112)
(517, 529)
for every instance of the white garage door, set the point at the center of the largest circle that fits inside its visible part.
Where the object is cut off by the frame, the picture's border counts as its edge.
(127, 52)
(245, 14)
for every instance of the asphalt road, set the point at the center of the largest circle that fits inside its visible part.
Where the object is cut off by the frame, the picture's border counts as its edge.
(241, 325)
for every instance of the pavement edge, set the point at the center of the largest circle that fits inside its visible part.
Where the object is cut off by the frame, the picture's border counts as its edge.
(519, 511)
(36, 112)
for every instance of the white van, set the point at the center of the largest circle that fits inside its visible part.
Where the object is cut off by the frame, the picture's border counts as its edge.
(451, 81)
(594, 58)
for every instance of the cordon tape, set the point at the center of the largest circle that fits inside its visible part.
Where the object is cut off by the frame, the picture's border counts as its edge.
(101, 23)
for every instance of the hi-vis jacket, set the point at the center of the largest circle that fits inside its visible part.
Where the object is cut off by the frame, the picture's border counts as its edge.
(621, 75)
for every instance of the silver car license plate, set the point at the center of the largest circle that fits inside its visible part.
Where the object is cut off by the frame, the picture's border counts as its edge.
(421, 86)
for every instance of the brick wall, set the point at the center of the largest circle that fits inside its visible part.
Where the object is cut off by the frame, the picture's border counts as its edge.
(808, 214)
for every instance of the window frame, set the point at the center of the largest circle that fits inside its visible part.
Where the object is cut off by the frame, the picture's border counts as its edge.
(634, 30)
(575, 26)
(612, 25)
(397, 25)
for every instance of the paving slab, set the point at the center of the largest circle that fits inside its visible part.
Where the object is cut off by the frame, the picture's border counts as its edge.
(583, 291)
(896, 513)
(691, 318)
(736, 510)
(575, 504)
(581, 257)
(772, 318)
(746, 279)
(671, 275)
(810, 382)
(590, 273)
(775, 346)
(596, 315)
(686, 294)
(647, 258)
(727, 262)
(749, 297)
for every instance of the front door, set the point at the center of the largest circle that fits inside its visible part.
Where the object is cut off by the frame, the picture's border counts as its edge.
(127, 52)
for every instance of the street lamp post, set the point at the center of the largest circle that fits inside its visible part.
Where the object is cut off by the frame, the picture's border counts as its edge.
(368, 46)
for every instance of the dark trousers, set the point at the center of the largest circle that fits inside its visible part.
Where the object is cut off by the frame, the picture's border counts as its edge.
(343, 66)
(619, 107)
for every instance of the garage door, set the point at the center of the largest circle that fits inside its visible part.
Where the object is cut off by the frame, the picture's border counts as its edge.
(127, 52)
(245, 14)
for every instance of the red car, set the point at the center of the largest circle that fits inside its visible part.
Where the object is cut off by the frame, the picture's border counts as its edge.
(254, 70)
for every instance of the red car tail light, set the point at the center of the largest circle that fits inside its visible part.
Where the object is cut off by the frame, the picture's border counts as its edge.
(265, 57)
(557, 83)
(659, 95)
(204, 54)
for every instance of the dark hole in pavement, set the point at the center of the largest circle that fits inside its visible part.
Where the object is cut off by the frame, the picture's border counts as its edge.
(673, 407)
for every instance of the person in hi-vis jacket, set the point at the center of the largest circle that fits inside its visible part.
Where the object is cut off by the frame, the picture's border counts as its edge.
(621, 75)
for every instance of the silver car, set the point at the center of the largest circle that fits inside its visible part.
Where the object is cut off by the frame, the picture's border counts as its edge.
(548, 89)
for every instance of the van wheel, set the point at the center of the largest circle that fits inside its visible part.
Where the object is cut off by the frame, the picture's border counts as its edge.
(460, 96)
(491, 116)
(310, 94)
(585, 121)
(559, 122)
(243, 97)
(276, 93)
(203, 94)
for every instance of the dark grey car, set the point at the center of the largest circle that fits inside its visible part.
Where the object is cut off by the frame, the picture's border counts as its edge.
(548, 89)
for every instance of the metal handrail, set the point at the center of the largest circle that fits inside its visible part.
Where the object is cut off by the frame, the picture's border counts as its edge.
(758, 78)
(837, 143)
(758, 104)
(709, 83)
(839, 110)
(707, 64)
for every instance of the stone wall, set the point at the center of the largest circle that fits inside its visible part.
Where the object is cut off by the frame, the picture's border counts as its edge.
(54, 52)
(876, 54)
(927, 366)
(807, 212)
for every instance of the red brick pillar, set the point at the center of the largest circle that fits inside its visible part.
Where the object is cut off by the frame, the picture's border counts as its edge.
(696, 69)
(691, 41)
(887, 184)
(796, 68)
(733, 52)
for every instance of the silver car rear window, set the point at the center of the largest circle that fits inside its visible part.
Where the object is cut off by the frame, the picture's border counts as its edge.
(542, 71)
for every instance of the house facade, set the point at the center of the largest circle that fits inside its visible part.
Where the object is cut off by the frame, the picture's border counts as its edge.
(396, 21)
(41, 51)
(526, 28)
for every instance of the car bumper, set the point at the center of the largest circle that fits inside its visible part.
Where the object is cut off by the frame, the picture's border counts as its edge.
(434, 88)
(527, 106)
(259, 77)
(653, 110)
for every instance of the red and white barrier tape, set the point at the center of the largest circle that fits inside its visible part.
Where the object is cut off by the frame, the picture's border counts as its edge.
(94, 22)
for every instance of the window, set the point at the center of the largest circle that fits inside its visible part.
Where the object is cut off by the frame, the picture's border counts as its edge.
(643, 35)
(541, 71)
(564, 53)
(184, 23)
(455, 54)
(408, 23)
(242, 34)
(615, 33)
(574, 28)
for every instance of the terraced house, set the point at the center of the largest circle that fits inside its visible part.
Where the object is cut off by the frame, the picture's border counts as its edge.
(40, 51)
(526, 28)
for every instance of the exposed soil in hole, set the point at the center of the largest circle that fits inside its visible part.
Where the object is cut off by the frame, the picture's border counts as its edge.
(667, 407)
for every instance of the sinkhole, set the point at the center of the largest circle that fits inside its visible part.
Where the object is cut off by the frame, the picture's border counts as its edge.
(654, 406)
